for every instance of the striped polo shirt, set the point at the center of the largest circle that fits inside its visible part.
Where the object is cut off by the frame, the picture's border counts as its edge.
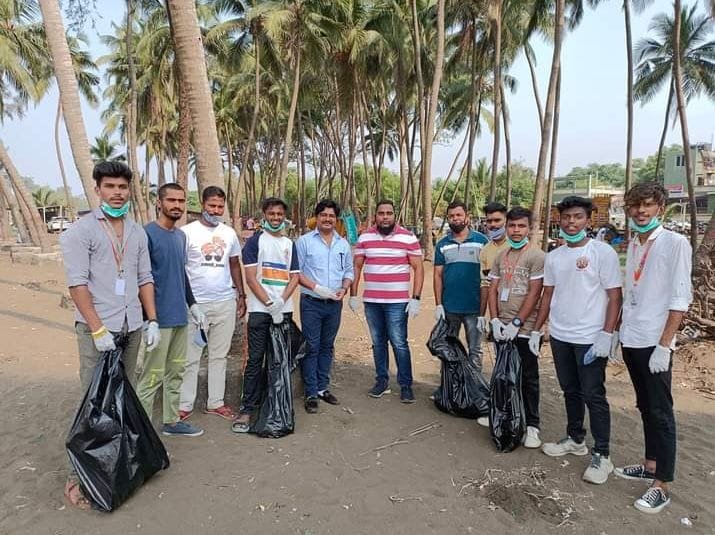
(386, 270)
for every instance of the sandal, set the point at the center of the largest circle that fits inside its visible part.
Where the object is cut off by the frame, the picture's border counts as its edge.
(75, 497)
(241, 427)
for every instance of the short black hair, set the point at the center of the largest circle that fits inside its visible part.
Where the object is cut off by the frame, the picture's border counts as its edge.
(212, 191)
(384, 201)
(518, 212)
(492, 207)
(646, 190)
(161, 192)
(574, 201)
(327, 203)
(457, 204)
(111, 170)
(273, 201)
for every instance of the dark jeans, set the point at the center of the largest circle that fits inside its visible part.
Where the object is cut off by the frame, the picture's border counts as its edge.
(388, 321)
(655, 403)
(455, 321)
(320, 319)
(254, 376)
(529, 382)
(583, 386)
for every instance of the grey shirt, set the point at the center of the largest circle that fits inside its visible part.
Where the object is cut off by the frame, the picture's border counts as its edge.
(90, 261)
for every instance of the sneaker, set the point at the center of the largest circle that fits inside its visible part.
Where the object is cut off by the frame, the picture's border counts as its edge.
(598, 470)
(483, 421)
(379, 390)
(223, 411)
(406, 395)
(328, 397)
(311, 404)
(531, 439)
(181, 429)
(565, 446)
(635, 471)
(653, 501)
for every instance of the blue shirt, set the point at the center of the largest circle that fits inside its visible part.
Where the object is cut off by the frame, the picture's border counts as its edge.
(461, 277)
(323, 264)
(167, 249)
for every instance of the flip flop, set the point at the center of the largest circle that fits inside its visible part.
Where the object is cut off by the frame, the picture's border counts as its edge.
(75, 497)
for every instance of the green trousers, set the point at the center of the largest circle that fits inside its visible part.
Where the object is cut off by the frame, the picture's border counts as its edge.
(164, 367)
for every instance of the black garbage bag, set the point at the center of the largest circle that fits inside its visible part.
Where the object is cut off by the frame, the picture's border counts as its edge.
(463, 390)
(112, 444)
(275, 417)
(506, 417)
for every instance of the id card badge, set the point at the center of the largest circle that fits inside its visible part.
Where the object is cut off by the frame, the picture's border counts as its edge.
(504, 294)
(120, 287)
(634, 301)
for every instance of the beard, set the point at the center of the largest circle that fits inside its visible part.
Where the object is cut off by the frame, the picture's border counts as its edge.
(386, 230)
(173, 215)
(457, 227)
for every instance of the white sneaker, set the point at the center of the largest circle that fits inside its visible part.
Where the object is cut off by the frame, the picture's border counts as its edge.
(598, 470)
(531, 439)
(564, 447)
(483, 421)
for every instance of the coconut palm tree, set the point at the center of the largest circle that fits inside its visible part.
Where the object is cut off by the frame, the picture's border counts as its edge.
(105, 150)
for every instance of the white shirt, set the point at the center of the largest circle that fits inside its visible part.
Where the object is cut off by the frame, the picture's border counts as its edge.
(208, 250)
(664, 285)
(580, 277)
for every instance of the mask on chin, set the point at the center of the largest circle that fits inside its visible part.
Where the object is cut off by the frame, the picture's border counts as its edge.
(270, 228)
(517, 244)
(642, 229)
(212, 220)
(496, 234)
(457, 227)
(572, 238)
(115, 212)
(385, 231)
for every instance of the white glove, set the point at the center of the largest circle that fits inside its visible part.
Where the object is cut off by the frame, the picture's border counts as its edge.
(482, 324)
(103, 340)
(198, 316)
(510, 331)
(602, 345)
(659, 359)
(325, 293)
(152, 335)
(355, 304)
(535, 342)
(498, 330)
(276, 306)
(413, 308)
(615, 355)
(277, 318)
(438, 313)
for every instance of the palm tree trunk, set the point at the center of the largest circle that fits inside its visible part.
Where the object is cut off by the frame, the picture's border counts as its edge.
(702, 310)
(552, 163)
(190, 56)
(131, 115)
(671, 96)
(680, 99)
(63, 174)
(420, 100)
(5, 231)
(507, 145)
(495, 9)
(474, 81)
(288, 142)
(435, 206)
(184, 126)
(69, 95)
(17, 218)
(529, 53)
(629, 131)
(473, 131)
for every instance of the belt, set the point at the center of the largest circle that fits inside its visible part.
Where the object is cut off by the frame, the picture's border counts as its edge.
(319, 299)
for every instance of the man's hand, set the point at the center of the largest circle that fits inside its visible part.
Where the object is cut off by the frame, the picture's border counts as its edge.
(482, 324)
(241, 305)
(103, 340)
(659, 360)
(535, 342)
(602, 345)
(277, 318)
(498, 330)
(198, 316)
(339, 294)
(152, 336)
(325, 293)
(276, 306)
(438, 313)
(355, 304)
(510, 331)
(413, 308)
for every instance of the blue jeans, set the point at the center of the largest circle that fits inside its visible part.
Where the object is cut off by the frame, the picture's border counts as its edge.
(388, 321)
(320, 319)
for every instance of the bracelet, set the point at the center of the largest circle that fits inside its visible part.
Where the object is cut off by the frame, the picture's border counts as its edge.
(100, 332)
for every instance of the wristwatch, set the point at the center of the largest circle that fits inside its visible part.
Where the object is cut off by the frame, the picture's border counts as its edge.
(516, 322)
(416, 297)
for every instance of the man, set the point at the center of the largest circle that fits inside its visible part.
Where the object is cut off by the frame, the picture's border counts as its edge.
(657, 295)
(213, 266)
(495, 222)
(272, 275)
(456, 279)
(582, 297)
(163, 367)
(388, 253)
(516, 279)
(326, 266)
(108, 270)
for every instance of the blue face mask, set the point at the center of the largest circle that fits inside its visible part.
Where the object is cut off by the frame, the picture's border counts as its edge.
(572, 238)
(517, 244)
(115, 212)
(496, 234)
(212, 220)
(642, 229)
(270, 228)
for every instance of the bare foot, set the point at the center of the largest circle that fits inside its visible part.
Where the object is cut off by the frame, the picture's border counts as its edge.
(74, 496)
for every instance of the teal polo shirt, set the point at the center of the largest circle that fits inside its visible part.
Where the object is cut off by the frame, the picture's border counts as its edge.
(461, 277)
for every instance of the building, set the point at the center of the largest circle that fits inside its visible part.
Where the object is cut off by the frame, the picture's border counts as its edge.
(702, 159)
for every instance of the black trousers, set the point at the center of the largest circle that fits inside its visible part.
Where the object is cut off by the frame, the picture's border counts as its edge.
(529, 381)
(583, 386)
(655, 403)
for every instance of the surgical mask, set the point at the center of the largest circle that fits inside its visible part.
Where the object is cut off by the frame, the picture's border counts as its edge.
(457, 227)
(642, 229)
(517, 244)
(572, 238)
(270, 228)
(496, 234)
(115, 212)
(211, 219)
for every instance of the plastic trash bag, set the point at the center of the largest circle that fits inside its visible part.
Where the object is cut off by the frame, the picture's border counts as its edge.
(275, 418)
(507, 421)
(112, 444)
(463, 390)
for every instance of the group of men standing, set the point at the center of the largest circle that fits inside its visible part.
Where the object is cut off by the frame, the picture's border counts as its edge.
(184, 289)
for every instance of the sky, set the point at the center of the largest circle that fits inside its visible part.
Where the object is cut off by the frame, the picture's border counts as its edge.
(593, 105)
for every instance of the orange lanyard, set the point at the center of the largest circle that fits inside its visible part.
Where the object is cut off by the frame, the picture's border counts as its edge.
(117, 246)
(641, 264)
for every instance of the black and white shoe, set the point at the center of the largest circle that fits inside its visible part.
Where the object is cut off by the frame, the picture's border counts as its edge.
(636, 472)
(653, 501)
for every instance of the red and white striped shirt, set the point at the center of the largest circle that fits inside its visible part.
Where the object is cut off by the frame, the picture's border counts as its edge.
(387, 266)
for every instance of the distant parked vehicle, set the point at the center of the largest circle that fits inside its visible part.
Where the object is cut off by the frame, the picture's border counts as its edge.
(58, 224)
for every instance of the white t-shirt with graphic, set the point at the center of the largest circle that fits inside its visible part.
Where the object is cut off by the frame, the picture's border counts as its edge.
(208, 250)
(580, 277)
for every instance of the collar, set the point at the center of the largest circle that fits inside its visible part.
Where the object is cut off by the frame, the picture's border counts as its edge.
(316, 232)
(656, 232)
(470, 237)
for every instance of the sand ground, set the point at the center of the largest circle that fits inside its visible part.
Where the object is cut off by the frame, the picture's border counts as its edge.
(336, 474)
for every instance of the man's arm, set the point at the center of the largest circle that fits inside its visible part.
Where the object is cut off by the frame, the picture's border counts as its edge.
(254, 285)
(544, 308)
(419, 273)
(234, 265)
(293, 280)
(532, 299)
(437, 284)
(83, 301)
(492, 298)
(358, 263)
(146, 296)
(483, 300)
(615, 300)
(190, 298)
(675, 318)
